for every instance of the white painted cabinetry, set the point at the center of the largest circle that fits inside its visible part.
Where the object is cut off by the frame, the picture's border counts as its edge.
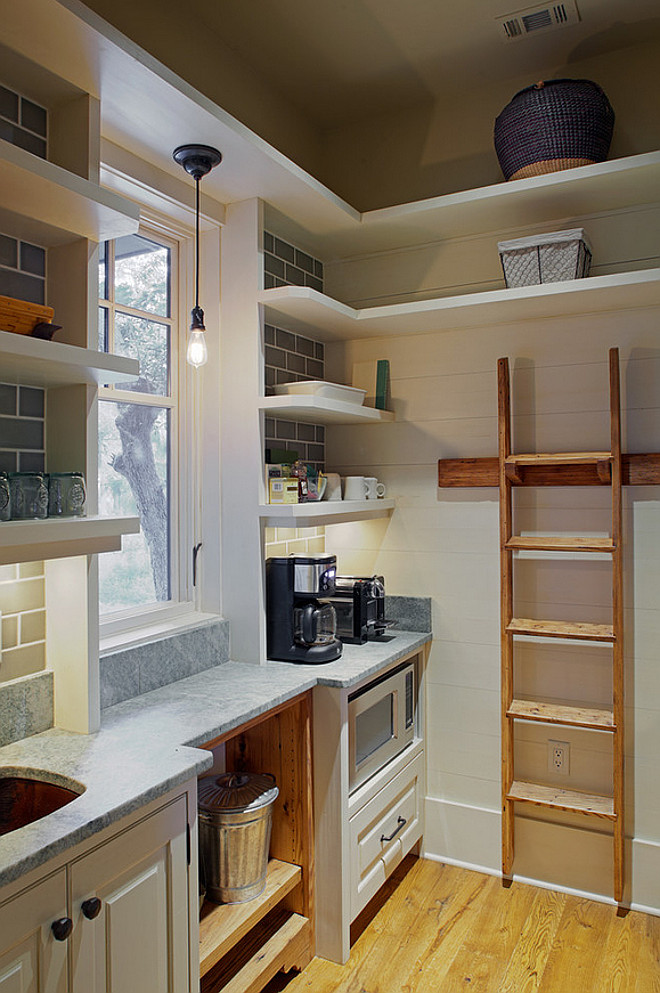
(384, 830)
(122, 910)
(361, 836)
(31, 959)
(139, 938)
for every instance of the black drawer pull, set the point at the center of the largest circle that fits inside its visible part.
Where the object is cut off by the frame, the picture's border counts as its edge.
(399, 824)
(62, 928)
(91, 908)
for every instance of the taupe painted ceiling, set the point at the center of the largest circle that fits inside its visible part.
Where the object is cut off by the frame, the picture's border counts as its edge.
(342, 60)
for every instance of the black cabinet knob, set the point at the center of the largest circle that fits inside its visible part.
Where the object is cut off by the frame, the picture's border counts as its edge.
(62, 929)
(91, 908)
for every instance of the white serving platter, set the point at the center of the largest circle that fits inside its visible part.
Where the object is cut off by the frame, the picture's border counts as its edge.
(319, 388)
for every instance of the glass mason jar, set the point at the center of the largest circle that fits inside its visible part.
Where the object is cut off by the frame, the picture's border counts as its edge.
(5, 500)
(28, 495)
(66, 494)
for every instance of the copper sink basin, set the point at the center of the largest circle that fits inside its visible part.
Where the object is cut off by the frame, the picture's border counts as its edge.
(23, 800)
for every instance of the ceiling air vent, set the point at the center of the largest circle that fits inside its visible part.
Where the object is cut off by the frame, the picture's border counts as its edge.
(548, 17)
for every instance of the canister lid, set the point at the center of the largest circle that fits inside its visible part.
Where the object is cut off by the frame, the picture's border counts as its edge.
(236, 791)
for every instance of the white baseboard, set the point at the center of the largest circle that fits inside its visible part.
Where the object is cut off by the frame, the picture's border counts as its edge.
(484, 869)
(567, 859)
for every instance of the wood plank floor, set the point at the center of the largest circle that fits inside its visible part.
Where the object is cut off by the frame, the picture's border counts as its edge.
(439, 929)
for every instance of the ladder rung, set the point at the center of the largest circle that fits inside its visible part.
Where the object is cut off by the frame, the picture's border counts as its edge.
(576, 630)
(559, 458)
(552, 713)
(571, 800)
(557, 544)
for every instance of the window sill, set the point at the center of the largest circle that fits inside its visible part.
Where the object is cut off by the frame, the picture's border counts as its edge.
(154, 631)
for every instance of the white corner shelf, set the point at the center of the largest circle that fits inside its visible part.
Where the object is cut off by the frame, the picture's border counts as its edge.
(306, 310)
(48, 205)
(61, 537)
(320, 410)
(614, 185)
(311, 515)
(34, 362)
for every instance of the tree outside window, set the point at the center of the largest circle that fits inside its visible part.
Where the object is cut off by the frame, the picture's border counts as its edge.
(136, 433)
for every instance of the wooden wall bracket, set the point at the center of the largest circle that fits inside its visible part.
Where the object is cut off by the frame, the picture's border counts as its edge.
(637, 470)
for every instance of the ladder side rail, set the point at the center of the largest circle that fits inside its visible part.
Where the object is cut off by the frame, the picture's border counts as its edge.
(618, 744)
(506, 609)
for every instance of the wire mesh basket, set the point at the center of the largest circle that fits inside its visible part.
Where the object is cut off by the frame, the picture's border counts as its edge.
(545, 258)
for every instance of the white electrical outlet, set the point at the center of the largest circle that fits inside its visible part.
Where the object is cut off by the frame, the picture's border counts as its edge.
(559, 754)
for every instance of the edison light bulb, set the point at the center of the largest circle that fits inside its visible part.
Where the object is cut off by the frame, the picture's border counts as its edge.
(197, 353)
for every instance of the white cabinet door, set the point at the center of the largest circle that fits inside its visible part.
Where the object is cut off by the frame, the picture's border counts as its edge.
(138, 942)
(31, 959)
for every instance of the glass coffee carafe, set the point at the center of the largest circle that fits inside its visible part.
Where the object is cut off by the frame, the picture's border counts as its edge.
(314, 623)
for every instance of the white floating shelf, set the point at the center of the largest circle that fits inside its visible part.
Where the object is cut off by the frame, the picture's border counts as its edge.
(43, 203)
(618, 184)
(61, 537)
(311, 515)
(309, 312)
(34, 362)
(319, 410)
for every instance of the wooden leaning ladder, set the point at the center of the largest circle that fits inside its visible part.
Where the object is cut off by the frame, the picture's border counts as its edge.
(512, 473)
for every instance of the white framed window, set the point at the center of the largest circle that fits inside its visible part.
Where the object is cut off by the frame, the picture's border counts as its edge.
(146, 461)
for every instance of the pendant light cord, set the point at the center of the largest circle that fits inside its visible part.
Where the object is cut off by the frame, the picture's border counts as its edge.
(197, 242)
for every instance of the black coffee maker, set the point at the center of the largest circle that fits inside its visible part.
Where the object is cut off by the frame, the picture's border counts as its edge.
(300, 627)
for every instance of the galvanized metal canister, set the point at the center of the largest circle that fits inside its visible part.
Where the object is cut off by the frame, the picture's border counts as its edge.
(235, 819)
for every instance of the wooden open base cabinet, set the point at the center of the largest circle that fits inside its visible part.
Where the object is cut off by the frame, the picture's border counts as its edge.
(242, 946)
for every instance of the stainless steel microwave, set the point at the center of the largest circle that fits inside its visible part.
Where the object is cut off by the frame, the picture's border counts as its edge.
(381, 719)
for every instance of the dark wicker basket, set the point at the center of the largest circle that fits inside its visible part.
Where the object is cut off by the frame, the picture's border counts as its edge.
(558, 124)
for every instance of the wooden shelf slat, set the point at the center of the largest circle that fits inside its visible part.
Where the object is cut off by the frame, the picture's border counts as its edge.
(554, 713)
(636, 470)
(286, 948)
(576, 543)
(558, 458)
(576, 630)
(221, 926)
(573, 801)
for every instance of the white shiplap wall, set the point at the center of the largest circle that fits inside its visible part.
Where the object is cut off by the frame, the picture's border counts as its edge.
(444, 544)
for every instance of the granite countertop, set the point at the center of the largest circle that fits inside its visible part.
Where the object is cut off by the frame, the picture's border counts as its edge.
(149, 745)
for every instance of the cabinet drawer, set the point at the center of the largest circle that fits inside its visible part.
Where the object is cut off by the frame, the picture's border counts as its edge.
(383, 831)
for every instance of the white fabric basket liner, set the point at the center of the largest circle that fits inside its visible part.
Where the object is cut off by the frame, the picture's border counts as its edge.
(536, 240)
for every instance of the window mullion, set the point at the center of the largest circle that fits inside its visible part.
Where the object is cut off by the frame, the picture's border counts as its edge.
(136, 276)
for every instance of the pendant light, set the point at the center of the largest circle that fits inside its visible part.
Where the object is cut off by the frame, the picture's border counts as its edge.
(197, 160)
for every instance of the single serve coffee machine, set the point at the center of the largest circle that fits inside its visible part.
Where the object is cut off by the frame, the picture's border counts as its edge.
(300, 626)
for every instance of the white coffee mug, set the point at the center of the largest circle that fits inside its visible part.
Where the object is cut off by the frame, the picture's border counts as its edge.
(333, 487)
(375, 490)
(355, 488)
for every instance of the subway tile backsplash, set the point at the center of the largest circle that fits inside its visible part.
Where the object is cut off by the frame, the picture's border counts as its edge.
(286, 265)
(22, 595)
(23, 122)
(22, 270)
(290, 358)
(23, 616)
(292, 541)
(22, 442)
